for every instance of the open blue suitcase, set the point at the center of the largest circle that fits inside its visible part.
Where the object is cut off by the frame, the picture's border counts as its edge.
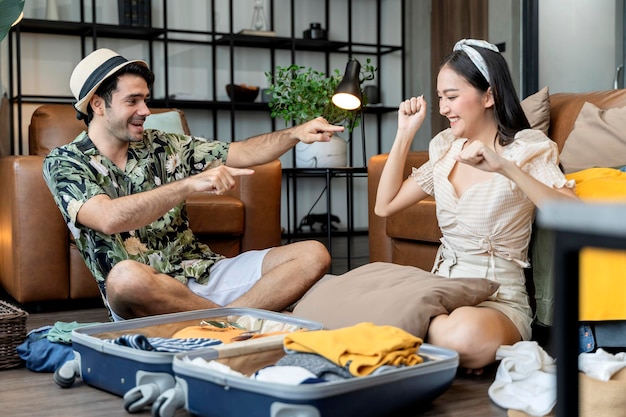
(208, 392)
(142, 376)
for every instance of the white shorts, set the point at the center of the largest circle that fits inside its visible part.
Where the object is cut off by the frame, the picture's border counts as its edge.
(230, 278)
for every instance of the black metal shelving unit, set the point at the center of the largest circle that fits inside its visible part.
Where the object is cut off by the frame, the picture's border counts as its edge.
(91, 31)
(163, 36)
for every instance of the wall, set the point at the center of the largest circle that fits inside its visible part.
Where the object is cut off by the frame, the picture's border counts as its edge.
(579, 44)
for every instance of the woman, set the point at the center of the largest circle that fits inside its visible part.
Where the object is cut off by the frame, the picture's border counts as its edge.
(487, 172)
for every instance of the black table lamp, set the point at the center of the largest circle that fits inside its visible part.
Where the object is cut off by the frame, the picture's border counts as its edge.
(348, 95)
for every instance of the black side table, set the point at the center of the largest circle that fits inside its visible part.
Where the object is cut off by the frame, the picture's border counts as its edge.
(576, 225)
(348, 173)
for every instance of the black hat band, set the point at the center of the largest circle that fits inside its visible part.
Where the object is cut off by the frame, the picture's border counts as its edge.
(100, 72)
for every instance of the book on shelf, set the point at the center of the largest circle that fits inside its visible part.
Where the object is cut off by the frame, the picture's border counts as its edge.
(252, 32)
(136, 13)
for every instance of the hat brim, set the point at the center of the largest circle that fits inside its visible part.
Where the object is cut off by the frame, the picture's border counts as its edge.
(82, 104)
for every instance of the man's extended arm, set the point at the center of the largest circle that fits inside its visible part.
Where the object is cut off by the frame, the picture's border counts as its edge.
(132, 212)
(267, 147)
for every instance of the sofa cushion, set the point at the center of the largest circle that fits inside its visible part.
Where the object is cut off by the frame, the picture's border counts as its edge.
(537, 110)
(167, 121)
(601, 129)
(389, 294)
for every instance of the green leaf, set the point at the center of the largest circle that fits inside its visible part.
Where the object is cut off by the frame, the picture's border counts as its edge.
(9, 12)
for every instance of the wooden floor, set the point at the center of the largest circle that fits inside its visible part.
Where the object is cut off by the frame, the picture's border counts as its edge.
(26, 393)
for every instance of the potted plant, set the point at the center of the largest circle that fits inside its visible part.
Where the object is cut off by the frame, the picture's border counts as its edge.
(299, 94)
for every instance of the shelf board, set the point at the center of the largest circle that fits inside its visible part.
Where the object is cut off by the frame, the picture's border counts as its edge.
(72, 28)
(43, 99)
(184, 104)
(278, 42)
(341, 232)
(208, 104)
(59, 27)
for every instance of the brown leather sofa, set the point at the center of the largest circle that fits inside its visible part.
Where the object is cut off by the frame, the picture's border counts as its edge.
(38, 261)
(412, 236)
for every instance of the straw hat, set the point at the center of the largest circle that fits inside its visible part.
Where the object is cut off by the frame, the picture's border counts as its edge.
(92, 71)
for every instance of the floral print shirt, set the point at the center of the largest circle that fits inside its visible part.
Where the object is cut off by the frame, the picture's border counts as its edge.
(77, 172)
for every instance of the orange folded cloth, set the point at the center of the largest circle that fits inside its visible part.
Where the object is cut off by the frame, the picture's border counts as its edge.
(361, 348)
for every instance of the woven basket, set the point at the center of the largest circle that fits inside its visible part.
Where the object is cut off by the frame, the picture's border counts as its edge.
(12, 334)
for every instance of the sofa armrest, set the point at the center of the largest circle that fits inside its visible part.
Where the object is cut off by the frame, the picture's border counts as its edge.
(380, 243)
(260, 194)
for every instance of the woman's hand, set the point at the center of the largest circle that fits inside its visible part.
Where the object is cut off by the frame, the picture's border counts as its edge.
(480, 156)
(411, 114)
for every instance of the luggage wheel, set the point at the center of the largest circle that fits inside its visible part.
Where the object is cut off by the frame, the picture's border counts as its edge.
(149, 387)
(168, 403)
(66, 374)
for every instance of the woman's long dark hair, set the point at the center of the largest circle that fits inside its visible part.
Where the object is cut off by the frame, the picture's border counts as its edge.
(508, 111)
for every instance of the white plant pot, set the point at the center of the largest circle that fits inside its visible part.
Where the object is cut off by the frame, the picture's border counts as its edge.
(333, 154)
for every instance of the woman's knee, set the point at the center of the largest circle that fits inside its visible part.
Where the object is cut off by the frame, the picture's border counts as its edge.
(448, 331)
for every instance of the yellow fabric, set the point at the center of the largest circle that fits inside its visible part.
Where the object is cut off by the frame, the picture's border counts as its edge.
(361, 348)
(602, 271)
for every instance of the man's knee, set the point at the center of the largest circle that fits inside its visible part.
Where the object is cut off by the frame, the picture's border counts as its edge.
(126, 277)
(317, 254)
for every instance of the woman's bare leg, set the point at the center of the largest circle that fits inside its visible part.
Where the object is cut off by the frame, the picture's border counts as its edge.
(475, 333)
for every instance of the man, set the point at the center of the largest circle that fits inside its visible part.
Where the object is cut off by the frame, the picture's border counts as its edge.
(121, 190)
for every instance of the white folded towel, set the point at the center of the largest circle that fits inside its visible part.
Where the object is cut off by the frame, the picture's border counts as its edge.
(525, 379)
(601, 364)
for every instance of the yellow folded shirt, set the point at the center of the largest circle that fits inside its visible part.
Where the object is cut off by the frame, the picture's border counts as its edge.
(361, 348)
(602, 271)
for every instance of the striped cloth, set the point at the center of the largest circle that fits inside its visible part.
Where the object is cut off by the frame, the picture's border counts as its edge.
(162, 344)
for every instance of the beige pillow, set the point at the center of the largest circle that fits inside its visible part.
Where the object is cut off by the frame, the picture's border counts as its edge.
(597, 140)
(389, 294)
(537, 110)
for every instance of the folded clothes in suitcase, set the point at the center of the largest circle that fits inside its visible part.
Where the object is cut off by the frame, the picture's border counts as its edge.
(133, 358)
(228, 390)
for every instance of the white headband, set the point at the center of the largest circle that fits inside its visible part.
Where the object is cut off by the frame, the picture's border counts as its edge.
(466, 45)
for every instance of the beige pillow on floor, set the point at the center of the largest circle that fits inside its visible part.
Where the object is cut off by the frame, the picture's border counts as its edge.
(389, 294)
(537, 110)
(597, 140)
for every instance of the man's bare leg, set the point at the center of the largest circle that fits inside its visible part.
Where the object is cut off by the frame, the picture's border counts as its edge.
(288, 272)
(137, 290)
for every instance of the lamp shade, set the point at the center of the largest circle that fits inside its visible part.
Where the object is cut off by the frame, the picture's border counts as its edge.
(348, 92)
